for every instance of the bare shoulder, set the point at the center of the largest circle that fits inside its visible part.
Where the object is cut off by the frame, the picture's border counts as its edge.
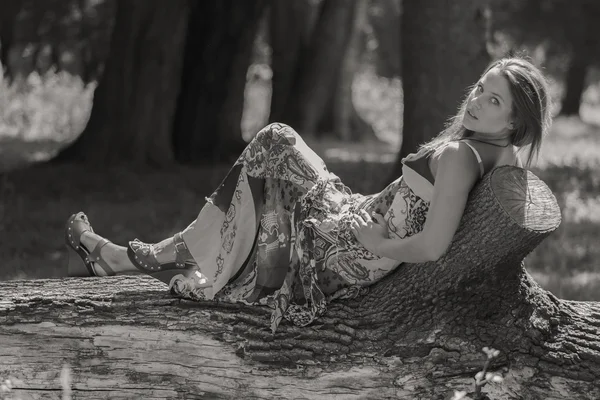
(457, 154)
(457, 162)
(492, 156)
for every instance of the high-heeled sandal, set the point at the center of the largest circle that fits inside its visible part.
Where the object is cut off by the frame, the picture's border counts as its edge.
(183, 267)
(81, 259)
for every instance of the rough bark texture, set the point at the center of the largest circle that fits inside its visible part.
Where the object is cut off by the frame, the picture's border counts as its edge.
(416, 334)
(134, 104)
(217, 55)
(443, 52)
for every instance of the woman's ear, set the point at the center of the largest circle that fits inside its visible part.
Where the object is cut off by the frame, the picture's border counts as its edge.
(511, 124)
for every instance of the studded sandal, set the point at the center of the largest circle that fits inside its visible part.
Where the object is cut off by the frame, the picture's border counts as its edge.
(143, 257)
(81, 259)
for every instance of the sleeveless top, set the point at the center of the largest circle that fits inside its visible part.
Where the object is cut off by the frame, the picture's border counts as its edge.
(408, 211)
(420, 165)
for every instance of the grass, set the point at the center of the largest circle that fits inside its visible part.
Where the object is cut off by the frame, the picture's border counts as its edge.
(38, 117)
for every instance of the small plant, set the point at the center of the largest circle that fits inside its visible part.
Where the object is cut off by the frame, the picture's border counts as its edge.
(482, 378)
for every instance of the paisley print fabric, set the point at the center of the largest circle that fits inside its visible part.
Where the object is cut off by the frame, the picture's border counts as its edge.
(276, 232)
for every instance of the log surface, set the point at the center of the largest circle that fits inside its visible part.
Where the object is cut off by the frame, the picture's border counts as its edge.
(125, 337)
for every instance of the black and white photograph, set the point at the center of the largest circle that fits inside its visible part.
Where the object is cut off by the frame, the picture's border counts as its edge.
(300, 199)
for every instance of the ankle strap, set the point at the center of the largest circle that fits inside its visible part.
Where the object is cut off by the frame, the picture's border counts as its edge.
(182, 253)
(95, 257)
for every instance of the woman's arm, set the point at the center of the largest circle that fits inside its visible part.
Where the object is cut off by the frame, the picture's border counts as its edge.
(457, 172)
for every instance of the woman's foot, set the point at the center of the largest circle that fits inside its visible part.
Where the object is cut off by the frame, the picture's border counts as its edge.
(91, 254)
(115, 260)
(165, 260)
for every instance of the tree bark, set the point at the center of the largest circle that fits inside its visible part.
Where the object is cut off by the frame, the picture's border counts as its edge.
(217, 55)
(416, 334)
(134, 103)
(443, 52)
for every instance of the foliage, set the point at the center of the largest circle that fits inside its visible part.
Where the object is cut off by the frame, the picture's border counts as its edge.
(70, 35)
(482, 378)
(41, 112)
(557, 25)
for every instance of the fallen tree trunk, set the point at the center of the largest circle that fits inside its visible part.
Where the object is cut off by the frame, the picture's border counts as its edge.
(416, 334)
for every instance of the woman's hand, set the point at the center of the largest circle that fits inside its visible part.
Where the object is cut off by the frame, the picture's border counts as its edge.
(369, 231)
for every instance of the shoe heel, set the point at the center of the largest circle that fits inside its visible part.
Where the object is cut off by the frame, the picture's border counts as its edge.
(76, 266)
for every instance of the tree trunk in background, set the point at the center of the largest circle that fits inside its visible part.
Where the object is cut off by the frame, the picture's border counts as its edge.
(311, 102)
(134, 103)
(443, 52)
(8, 15)
(348, 125)
(321, 66)
(207, 127)
(583, 47)
(386, 21)
(574, 84)
(416, 334)
(96, 27)
(290, 27)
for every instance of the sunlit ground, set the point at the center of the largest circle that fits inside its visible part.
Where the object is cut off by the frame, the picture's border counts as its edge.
(40, 116)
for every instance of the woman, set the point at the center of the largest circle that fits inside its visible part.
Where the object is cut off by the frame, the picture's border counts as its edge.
(282, 231)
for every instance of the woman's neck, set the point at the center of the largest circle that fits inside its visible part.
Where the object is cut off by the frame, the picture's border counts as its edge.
(482, 137)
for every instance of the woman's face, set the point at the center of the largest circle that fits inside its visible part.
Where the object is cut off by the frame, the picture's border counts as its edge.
(489, 105)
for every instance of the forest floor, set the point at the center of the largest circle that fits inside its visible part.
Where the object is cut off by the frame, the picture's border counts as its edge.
(39, 117)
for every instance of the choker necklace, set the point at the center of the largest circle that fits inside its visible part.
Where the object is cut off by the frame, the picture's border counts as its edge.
(492, 144)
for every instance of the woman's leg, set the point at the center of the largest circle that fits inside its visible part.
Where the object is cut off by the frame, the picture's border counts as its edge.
(116, 256)
(245, 226)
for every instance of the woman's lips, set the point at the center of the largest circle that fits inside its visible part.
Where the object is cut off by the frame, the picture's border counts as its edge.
(471, 115)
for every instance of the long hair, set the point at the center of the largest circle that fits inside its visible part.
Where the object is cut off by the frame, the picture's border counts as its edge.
(530, 109)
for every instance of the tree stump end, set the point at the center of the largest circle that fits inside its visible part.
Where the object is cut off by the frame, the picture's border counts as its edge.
(525, 198)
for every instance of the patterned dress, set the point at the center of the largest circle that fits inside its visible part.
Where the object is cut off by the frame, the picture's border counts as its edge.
(276, 232)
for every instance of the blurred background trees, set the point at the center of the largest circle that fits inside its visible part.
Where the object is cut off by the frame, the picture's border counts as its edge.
(566, 34)
(171, 83)
(71, 36)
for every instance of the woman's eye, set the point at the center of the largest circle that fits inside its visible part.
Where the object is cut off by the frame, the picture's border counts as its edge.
(495, 101)
(479, 88)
